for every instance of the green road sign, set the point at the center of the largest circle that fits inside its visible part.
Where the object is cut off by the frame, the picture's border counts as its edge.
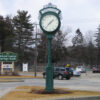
(8, 57)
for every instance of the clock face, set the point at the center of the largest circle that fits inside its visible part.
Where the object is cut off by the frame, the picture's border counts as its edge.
(49, 23)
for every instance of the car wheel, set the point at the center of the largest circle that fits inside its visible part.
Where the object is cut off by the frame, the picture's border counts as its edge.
(67, 78)
(93, 71)
(44, 76)
(60, 77)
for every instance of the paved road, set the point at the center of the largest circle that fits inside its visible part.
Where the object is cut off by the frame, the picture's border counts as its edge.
(87, 81)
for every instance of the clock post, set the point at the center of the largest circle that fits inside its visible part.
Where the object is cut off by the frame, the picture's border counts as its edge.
(49, 67)
(50, 24)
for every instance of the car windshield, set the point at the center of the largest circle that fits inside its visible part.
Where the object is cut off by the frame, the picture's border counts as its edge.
(68, 69)
(62, 69)
(79, 67)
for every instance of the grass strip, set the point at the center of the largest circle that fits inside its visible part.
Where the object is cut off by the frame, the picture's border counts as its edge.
(37, 93)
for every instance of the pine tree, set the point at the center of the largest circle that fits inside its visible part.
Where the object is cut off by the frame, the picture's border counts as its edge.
(2, 33)
(78, 48)
(6, 34)
(23, 29)
(78, 39)
(9, 34)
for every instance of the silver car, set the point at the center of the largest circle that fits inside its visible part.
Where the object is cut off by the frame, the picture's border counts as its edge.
(76, 73)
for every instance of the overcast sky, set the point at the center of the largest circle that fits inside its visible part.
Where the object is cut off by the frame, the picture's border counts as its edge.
(83, 14)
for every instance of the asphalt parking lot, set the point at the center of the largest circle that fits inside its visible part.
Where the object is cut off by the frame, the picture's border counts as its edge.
(87, 81)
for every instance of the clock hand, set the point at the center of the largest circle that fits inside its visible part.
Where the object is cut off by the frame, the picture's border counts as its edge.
(50, 23)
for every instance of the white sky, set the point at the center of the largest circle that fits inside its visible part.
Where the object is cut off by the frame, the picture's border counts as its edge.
(83, 14)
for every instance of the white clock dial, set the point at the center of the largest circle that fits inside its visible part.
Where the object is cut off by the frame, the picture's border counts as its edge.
(49, 23)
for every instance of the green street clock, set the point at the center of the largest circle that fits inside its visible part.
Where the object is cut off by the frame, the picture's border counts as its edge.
(50, 22)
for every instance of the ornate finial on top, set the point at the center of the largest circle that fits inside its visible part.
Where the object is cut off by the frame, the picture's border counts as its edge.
(50, 5)
(49, 8)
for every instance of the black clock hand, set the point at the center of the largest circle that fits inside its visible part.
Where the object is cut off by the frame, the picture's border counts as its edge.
(50, 22)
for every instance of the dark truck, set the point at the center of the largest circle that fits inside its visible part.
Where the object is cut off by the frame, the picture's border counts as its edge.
(60, 73)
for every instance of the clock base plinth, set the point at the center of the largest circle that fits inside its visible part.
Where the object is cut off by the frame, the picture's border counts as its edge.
(49, 79)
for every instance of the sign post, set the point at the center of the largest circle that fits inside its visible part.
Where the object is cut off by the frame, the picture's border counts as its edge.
(50, 24)
(1, 67)
(13, 66)
(25, 67)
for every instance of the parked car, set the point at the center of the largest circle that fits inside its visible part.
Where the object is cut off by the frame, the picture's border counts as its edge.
(96, 69)
(60, 73)
(81, 69)
(76, 73)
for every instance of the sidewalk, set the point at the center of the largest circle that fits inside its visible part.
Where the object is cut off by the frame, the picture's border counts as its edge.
(5, 91)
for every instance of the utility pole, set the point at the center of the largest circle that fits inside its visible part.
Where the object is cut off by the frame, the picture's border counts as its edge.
(35, 61)
(36, 52)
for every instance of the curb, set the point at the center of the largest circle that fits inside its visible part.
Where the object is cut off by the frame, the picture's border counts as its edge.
(11, 80)
(82, 98)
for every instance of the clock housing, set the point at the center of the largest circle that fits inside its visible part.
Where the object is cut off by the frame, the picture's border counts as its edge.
(50, 23)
